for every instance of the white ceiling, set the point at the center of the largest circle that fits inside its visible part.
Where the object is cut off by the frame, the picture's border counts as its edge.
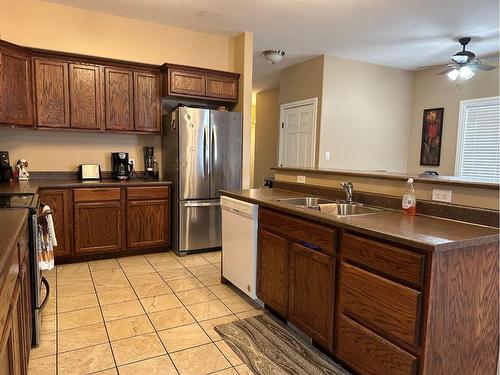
(399, 33)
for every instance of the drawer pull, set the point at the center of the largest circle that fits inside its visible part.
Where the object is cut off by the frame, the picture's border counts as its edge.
(310, 246)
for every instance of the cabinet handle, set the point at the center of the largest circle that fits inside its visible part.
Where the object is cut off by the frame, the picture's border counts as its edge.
(310, 246)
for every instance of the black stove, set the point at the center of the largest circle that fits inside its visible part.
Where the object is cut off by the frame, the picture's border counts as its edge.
(20, 200)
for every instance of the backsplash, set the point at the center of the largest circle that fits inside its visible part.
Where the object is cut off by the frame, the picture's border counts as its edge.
(49, 150)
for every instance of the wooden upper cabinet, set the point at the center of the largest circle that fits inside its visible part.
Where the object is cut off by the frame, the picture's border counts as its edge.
(222, 87)
(85, 96)
(185, 82)
(201, 84)
(119, 99)
(147, 102)
(52, 93)
(16, 107)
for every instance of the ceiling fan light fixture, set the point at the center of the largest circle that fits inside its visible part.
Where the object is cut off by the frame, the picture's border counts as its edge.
(460, 58)
(466, 72)
(273, 56)
(453, 74)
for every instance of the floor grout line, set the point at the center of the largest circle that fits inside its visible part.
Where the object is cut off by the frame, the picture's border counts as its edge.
(185, 306)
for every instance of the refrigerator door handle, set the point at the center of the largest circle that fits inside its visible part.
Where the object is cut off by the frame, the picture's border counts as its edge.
(205, 156)
(202, 204)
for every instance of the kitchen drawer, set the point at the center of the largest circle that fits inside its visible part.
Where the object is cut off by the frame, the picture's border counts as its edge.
(370, 354)
(96, 195)
(312, 235)
(152, 192)
(391, 309)
(399, 263)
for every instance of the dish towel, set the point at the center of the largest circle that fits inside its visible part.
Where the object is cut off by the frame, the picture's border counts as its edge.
(329, 208)
(46, 239)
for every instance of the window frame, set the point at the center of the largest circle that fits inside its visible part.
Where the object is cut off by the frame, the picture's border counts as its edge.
(464, 105)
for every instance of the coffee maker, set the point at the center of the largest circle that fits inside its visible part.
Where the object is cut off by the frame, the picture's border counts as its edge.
(5, 168)
(120, 165)
(149, 162)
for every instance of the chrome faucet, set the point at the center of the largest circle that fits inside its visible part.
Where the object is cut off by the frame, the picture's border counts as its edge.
(347, 186)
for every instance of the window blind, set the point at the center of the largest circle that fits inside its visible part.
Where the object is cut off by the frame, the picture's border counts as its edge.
(480, 144)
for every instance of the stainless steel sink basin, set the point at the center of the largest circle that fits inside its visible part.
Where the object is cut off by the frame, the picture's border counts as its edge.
(343, 208)
(309, 202)
(346, 209)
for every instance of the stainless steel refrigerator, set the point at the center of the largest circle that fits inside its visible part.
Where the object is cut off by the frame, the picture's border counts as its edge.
(201, 151)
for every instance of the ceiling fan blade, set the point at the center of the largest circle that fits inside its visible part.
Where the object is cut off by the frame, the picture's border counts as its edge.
(481, 66)
(446, 71)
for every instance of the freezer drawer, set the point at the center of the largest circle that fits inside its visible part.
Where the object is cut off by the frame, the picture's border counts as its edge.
(199, 225)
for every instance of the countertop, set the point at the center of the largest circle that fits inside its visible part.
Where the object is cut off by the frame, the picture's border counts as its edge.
(439, 180)
(32, 186)
(11, 223)
(423, 232)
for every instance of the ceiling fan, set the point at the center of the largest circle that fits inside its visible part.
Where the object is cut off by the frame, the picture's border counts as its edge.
(465, 64)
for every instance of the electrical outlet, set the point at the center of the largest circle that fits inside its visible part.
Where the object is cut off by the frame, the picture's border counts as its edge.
(441, 195)
(327, 155)
(132, 162)
(301, 179)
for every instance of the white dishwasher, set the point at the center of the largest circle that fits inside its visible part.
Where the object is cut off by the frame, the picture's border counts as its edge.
(239, 244)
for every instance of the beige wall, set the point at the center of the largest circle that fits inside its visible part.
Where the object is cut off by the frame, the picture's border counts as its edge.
(303, 81)
(53, 150)
(431, 90)
(365, 116)
(39, 24)
(45, 25)
(243, 52)
(266, 135)
(485, 198)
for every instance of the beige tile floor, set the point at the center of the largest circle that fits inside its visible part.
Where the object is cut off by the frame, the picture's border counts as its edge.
(151, 315)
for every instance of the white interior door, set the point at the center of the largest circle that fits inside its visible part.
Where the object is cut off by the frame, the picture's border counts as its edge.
(298, 134)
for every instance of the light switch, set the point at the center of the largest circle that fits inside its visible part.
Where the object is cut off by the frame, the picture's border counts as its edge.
(327, 155)
(301, 179)
(441, 195)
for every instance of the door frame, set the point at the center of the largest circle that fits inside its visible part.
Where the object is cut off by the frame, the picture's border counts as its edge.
(299, 103)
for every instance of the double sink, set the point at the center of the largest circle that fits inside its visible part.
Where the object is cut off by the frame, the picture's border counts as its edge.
(344, 208)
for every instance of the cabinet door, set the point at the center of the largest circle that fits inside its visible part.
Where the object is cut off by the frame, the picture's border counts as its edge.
(147, 102)
(222, 87)
(16, 107)
(312, 293)
(119, 94)
(272, 271)
(147, 223)
(25, 297)
(60, 204)
(187, 83)
(98, 227)
(85, 96)
(12, 361)
(52, 93)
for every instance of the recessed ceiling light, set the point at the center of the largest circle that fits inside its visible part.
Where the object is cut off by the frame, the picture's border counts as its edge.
(273, 56)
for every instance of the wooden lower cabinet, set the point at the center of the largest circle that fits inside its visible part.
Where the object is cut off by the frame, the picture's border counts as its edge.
(12, 346)
(312, 293)
(272, 271)
(60, 203)
(370, 354)
(147, 223)
(98, 227)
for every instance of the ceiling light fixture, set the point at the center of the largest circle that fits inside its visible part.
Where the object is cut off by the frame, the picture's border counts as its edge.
(464, 72)
(273, 56)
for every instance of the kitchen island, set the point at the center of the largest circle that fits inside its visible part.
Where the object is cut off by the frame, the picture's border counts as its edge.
(384, 293)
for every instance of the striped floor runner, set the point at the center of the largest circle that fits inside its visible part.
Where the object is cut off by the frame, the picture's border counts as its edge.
(268, 347)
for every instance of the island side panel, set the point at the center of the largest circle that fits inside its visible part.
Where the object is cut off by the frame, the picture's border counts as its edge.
(463, 316)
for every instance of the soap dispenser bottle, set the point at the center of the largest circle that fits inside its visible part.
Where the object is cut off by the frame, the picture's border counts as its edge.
(409, 203)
